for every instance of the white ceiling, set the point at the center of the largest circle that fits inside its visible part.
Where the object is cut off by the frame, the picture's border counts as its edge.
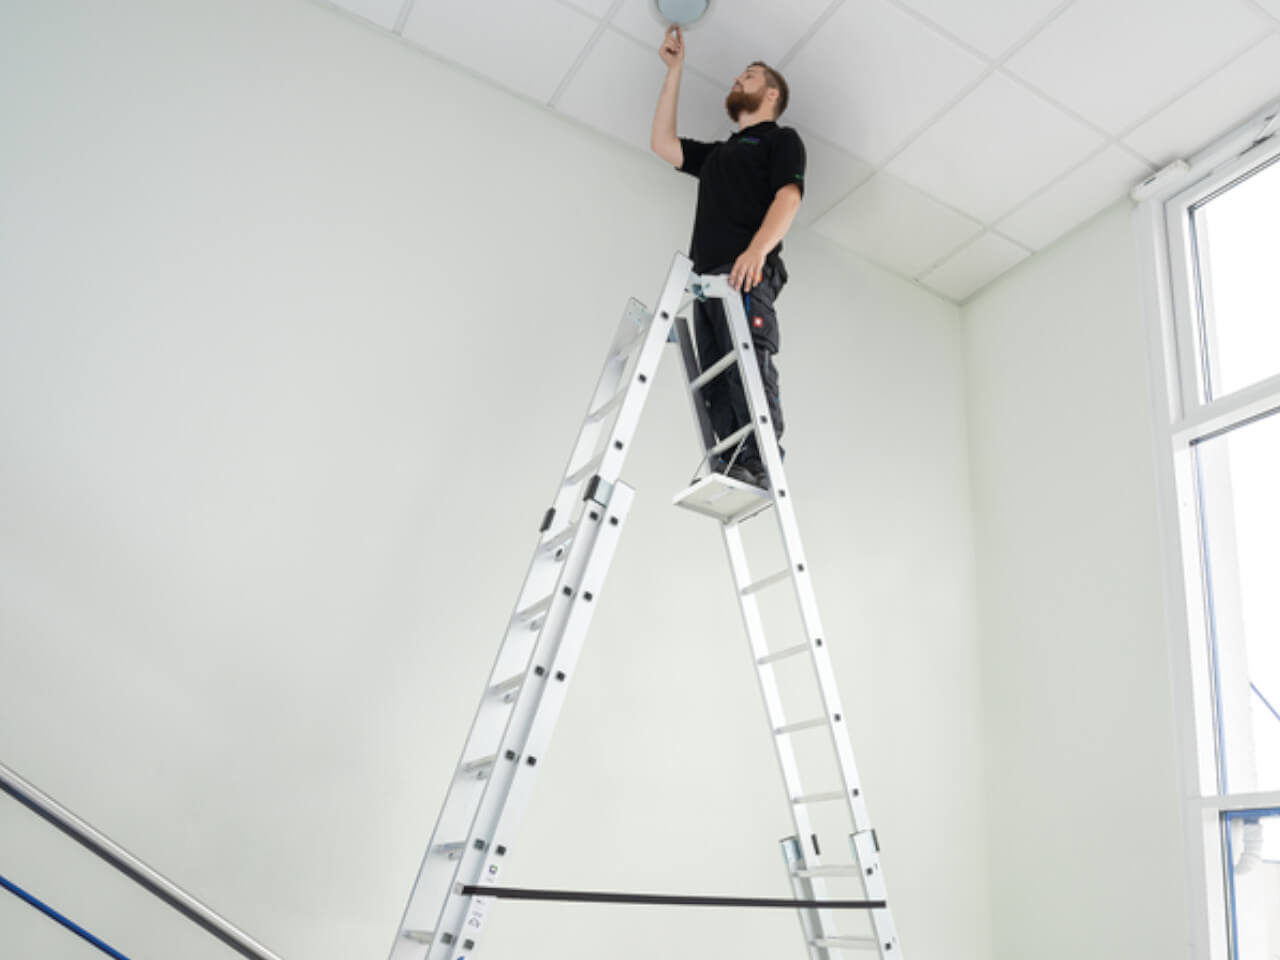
(948, 139)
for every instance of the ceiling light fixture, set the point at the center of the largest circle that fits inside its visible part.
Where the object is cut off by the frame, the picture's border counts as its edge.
(684, 13)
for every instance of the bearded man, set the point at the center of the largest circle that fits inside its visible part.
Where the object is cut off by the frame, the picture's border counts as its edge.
(749, 189)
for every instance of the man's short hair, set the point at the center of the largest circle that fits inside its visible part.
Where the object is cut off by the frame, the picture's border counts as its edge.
(772, 78)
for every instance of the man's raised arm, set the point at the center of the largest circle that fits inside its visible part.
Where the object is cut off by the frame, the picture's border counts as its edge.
(663, 141)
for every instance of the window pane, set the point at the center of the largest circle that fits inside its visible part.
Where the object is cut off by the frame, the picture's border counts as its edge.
(1239, 475)
(1237, 236)
(1253, 859)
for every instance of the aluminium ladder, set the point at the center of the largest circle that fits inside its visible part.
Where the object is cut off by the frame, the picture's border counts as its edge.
(529, 679)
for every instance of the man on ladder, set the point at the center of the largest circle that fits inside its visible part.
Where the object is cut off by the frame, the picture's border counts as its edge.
(749, 189)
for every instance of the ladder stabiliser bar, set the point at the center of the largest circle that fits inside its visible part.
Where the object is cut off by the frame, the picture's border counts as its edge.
(665, 899)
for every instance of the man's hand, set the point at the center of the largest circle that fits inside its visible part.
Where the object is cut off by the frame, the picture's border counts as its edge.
(748, 269)
(672, 49)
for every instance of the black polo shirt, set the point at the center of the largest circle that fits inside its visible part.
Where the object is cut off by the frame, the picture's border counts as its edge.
(737, 181)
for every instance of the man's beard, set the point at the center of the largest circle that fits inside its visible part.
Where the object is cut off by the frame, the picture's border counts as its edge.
(739, 102)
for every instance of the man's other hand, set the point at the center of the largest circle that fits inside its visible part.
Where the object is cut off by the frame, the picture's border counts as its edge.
(748, 269)
(672, 49)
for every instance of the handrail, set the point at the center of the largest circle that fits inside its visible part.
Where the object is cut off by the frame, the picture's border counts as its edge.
(97, 843)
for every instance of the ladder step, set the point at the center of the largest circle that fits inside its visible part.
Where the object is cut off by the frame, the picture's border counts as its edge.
(766, 582)
(534, 610)
(846, 943)
(590, 467)
(627, 348)
(595, 416)
(841, 870)
(731, 441)
(818, 797)
(800, 725)
(559, 540)
(480, 767)
(450, 851)
(798, 649)
(420, 936)
(508, 687)
(713, 371)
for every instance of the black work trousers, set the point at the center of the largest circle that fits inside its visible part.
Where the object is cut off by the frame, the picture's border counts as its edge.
(724, 398)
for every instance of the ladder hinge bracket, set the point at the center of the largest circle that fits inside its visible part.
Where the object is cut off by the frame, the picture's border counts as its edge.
(598, 490)
(548, 518)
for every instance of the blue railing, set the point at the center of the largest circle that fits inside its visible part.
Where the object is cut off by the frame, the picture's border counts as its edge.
(56, 917)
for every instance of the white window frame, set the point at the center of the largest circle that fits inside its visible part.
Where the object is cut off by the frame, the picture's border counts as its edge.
(1162, 228)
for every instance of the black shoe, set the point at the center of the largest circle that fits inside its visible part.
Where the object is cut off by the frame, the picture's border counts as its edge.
(742, 473)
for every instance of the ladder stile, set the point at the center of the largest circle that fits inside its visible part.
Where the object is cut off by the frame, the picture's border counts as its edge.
(538, 653)
(805, 864)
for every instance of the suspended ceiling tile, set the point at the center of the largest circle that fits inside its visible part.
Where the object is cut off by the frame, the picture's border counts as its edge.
(973, 267)
(829, 176)
(525, 46)
(616, 88)
(873, 75)
(896, 226)
(994, 149)
(1225, 99)
(992, 26)
(1094, 185)
(381, 12)
(1116, 61)
(597, 8)
(734, 33)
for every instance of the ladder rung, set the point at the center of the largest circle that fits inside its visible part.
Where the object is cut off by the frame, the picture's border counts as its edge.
(818, 797)
(480, 767)
(713, 371)
(507, 688)
(801, 725)
(595, 416)
(843, 870)
(534, 610)
(420, 936)
(559, 540)
(767, 581)
(846, 943)
(452, 851)
(731, 441)
(799, 648)
(625, 350)
(590, 467)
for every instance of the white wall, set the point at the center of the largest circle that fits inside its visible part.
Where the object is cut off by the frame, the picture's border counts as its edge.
(1086, 847)
(295, 328)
